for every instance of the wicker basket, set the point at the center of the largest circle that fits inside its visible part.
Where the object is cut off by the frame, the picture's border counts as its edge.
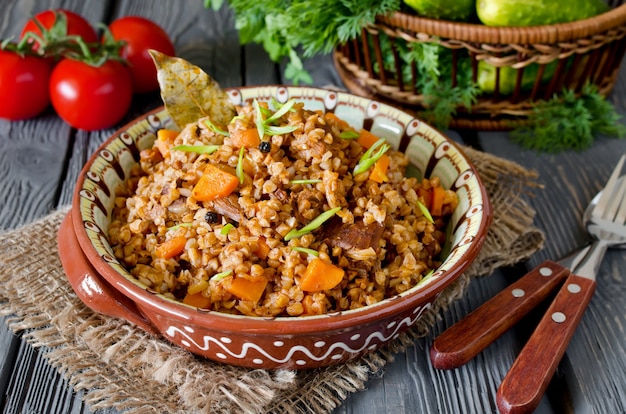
(578, 52)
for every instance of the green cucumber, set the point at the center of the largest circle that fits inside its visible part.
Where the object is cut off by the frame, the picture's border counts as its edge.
(536, 12)
(460, 10)
(508, 77)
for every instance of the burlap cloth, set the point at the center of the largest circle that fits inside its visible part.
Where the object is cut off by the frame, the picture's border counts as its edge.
(117, 365)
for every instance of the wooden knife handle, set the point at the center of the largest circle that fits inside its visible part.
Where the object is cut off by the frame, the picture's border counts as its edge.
(525, 383)
(464, 340)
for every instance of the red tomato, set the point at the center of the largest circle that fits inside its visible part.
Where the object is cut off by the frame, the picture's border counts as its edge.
(89, 97)
(140, 35)
(23, 85)
(76, 25)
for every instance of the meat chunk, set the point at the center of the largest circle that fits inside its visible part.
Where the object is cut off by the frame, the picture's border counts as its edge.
(229, 207)
(357, 235)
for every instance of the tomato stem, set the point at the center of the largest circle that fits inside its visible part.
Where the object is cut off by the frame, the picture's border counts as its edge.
(56, 43)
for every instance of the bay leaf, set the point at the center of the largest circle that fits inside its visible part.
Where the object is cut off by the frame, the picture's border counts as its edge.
(189, 93)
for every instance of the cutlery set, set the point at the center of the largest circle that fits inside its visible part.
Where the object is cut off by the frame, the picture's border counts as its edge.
(522, 388)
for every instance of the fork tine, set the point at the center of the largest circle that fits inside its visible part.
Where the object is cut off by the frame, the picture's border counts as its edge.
(614, 202)
(608, 193)
(620, 215)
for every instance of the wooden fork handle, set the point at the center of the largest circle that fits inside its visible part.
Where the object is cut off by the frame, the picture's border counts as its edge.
(476, 331)
(528, 378)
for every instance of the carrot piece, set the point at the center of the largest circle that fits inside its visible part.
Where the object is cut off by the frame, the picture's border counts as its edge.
(172, 247)
(165, 139)
(262, 248)
(340, 122)
(366, 138)
(214, 183)
(320, 275)
(167, 135)
(379, 172)
(436, 204)
(197, 300)
(426, 195)
(247, 289)
(248, 138)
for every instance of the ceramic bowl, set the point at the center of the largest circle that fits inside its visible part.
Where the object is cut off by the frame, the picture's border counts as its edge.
(281, 342)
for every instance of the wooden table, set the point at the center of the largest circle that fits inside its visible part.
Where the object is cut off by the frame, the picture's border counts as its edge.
(40, 160)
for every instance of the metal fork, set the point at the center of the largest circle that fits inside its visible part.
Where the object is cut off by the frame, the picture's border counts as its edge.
(528, 378)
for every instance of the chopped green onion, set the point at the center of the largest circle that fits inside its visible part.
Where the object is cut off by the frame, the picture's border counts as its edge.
(429, 274)
(277, 105)
(305, 181)
(239, 169)
(314, 224)
(349, 134)
(266, 112)
(214, 128)
(226, 229)
(282, 111)
(275, 130)
(260, 125)
(425, 212)
(369, 158)
(305, 250)
(198, 149)
(236, 118)
(219, 276)
(179, 226)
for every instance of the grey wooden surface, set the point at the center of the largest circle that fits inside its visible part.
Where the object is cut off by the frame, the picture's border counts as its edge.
(41, 158)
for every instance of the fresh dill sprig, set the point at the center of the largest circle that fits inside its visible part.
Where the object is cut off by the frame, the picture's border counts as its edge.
(293, 30)
(569, 122)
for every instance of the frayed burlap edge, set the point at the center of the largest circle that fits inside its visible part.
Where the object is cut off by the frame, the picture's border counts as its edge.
(118, 365)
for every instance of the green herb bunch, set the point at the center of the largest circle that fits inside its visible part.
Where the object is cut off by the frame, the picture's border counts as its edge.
(291, 29)
(568, 121)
